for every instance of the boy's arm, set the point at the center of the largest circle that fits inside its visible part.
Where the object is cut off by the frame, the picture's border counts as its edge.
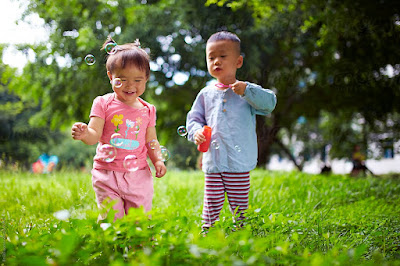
(195, 119)
(88, 134)
(262, 100)
(155, 152)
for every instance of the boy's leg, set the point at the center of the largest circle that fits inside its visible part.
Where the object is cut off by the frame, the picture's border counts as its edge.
(137, 189)
(237, 186)
(214, 197)
(106, 189)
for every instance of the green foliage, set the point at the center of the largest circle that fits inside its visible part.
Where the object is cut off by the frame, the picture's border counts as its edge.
(73, 154)
(293, 218)
(319, 57)
(21, 139)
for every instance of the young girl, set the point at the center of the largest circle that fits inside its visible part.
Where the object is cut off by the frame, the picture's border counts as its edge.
(120, 171)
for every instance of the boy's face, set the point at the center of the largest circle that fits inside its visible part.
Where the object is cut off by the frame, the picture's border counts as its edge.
(223, 59)
(133, 83)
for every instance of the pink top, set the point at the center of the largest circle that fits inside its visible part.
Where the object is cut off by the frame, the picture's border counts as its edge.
(131, 123)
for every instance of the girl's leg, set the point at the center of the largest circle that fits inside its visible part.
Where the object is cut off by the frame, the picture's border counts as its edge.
(105, 186)
(137, 189)
(214, 197)
(237, 186)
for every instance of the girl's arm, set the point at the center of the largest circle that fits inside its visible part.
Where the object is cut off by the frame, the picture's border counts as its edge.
(88, 134)
(154, 152)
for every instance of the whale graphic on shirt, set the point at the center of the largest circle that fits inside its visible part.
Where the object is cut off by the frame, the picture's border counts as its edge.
(126, 144)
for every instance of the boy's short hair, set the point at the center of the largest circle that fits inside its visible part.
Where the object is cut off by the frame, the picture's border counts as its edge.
(225, 36)
(127, 54)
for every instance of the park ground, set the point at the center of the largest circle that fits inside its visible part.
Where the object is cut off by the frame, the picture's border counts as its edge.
(293, 219)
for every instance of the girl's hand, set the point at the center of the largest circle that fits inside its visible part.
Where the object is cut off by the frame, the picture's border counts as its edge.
(239, 87)
(79, 131)
(161, 169)
(199, 137)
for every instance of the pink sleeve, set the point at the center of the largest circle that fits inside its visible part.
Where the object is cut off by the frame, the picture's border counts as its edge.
(152, 114)
(98, 108)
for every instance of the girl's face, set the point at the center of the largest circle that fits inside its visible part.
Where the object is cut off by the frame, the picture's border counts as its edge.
(133, 83)
(223, 59)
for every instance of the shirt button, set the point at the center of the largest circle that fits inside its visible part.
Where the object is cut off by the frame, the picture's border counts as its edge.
(224, 110)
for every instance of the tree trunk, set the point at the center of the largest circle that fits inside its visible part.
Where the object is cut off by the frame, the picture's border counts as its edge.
(267, 133)
(265, 138)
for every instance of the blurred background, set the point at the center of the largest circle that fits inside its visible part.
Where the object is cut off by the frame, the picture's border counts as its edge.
(334, 66)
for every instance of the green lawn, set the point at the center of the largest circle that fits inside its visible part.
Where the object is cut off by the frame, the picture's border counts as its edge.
(294, 218)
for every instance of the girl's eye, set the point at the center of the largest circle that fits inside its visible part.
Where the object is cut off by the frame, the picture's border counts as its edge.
(211, 58)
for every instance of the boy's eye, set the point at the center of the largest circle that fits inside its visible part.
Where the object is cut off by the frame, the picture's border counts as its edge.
(211, 58)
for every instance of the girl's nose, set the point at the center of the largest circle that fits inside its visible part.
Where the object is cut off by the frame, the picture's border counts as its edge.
(128, 83)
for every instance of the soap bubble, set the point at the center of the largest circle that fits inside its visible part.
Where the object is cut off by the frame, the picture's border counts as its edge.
(164, 154)
(144, 111)
(110, 48)
(131, 163)
(182, 131)
(107, 153)
(117, 83)
(153, 144)
(215, 144)
(237, 148)
(90, 59)
(116, 140)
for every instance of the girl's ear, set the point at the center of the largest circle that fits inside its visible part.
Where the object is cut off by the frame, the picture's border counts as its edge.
(239, 62)
(109, 75)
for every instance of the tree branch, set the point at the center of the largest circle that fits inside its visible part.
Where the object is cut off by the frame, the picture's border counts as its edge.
(288, 153)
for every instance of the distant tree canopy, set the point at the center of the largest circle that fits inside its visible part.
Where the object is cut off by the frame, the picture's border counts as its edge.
(328, 61)
(21, 140)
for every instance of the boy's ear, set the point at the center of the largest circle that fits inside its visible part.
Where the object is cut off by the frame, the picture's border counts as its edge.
(239, 63)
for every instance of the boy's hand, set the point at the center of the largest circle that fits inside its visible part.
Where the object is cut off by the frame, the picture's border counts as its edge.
(239, 87)
(161, 169)
(79, 131)
(199, 137)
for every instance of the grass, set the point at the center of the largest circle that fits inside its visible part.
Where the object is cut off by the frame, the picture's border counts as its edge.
(294, 218)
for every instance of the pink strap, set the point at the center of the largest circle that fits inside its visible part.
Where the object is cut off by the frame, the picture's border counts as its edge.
(221, 85)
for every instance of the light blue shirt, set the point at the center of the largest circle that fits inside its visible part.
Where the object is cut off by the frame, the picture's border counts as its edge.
(233, 121)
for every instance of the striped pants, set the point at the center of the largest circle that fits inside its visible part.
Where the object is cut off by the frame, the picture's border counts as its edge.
(236, 186)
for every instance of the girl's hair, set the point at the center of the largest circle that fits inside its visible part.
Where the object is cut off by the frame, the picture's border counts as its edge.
(127, 54)
(225, 36)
